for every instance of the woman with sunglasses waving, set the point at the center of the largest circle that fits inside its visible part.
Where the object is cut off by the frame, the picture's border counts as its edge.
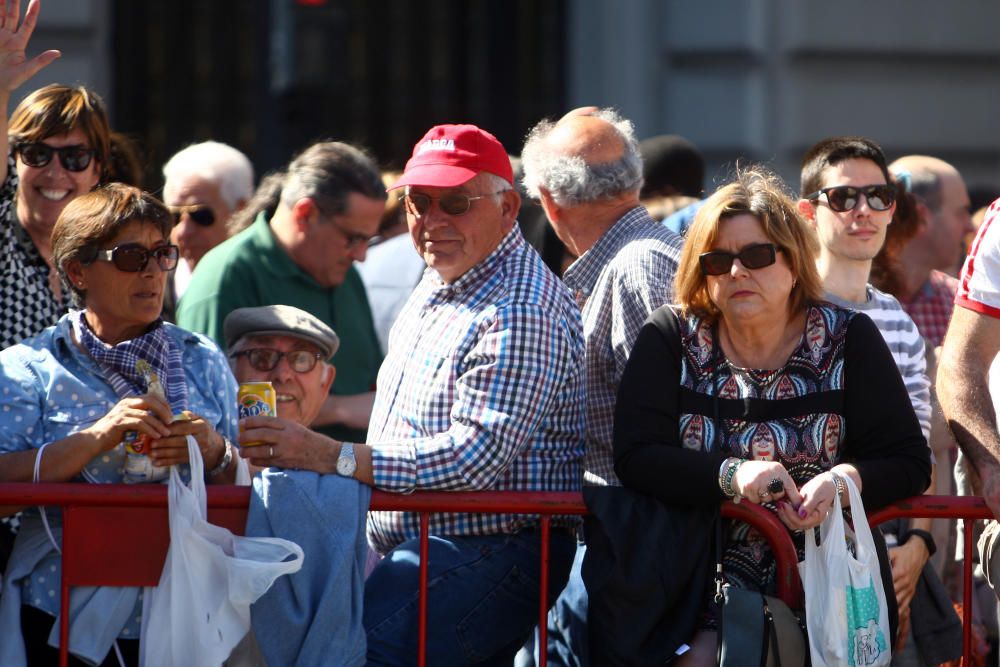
(752, 389)
(53, 150)
(107, 379)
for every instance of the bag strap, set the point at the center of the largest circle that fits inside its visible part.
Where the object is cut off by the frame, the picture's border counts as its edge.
(772, 633)
(36, 477)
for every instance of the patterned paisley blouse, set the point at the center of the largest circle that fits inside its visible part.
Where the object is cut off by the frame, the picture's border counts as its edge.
(683, 408)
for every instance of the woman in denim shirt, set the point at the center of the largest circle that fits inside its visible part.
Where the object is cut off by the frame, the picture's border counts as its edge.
(72, 395)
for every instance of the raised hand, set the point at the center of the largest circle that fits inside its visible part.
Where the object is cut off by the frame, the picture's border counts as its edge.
(15, 67)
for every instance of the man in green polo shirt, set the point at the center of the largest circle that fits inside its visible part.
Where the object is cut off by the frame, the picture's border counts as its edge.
(331, 204)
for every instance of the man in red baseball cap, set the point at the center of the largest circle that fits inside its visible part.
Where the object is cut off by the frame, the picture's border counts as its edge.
(456, 175)
(481, 388)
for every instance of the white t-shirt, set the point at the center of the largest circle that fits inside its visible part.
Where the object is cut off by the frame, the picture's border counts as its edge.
(979, 284)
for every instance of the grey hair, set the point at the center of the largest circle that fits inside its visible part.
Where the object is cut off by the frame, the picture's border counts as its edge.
(328, 172)
(568, 178)
(216, 162)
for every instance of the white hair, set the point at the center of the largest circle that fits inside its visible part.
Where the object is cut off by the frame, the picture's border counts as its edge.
(569, 178)
(216, 162)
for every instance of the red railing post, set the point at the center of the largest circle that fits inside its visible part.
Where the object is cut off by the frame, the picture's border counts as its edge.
(422, 601)
(543, 594)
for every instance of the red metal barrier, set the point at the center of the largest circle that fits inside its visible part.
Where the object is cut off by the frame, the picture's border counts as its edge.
(966, 508)
(118, 534)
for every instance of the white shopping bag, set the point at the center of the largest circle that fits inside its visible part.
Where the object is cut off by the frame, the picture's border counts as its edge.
(201, 608)
(846, 612)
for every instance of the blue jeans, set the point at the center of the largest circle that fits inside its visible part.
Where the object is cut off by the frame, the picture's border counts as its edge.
(482, 597)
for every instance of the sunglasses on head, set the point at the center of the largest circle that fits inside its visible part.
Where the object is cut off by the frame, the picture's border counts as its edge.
(72, 158)
(846, 197)
(133, 258)
(199, 213)
(419, 204)
(756, 256)
(266, 359)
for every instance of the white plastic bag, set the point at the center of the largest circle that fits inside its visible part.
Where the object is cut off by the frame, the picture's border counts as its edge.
(201, 608)
(846, 612)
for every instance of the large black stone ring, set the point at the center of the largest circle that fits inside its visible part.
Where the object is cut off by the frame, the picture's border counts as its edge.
(270, 451)
(775, 486)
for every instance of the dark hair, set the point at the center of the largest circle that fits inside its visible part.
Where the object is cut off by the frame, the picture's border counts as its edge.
(671, 165)
(328, 172)
(885, 271)
(831, 152)
(93, 219)
(58, 109)
(264, 200)
(124, 161)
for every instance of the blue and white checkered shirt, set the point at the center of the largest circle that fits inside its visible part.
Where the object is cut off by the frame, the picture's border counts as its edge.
(482, 388)
(623, 278)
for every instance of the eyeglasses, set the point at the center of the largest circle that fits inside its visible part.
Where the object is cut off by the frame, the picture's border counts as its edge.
(72, 158)
(352, 240)
(756, 256)
(266, 359)
(418, 203)
(133, 258)
(846, 197)
(199, 213)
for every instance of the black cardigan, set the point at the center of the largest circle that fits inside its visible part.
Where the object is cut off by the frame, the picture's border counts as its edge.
(882, 436)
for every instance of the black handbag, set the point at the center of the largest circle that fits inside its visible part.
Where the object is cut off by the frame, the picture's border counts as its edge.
(756, 629)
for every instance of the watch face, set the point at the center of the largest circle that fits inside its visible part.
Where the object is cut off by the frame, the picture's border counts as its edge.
(346, 466)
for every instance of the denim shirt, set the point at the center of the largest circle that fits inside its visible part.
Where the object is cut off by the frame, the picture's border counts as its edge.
(50, 389)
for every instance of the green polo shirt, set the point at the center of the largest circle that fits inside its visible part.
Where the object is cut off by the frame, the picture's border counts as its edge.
(251, 269)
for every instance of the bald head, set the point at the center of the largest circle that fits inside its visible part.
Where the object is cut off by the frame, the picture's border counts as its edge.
(593, 139)
(943, 202)
(583, 158)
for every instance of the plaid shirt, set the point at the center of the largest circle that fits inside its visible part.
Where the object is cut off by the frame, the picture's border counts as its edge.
(932, 307)
(482, 388)
(623, 278)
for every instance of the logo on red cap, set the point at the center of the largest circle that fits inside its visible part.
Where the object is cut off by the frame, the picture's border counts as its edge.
(449, 155)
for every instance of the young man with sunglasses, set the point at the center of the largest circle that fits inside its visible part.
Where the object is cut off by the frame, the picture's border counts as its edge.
(586, 170)
(849, 198)
(482, 388)
(204, 184)
(331, 203)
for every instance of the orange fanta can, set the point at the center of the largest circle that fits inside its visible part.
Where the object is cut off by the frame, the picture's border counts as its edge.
(254, 399)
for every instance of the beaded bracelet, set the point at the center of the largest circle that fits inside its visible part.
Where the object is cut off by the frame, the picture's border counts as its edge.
(841, 485)
(730, 465)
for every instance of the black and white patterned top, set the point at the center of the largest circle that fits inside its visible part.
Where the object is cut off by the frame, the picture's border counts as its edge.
(27, 304)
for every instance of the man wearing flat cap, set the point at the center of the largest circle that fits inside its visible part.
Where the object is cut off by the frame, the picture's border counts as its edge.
(289, 348)
(482, 388)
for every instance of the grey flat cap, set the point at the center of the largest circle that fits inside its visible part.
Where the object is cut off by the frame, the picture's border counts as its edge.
(279, 321)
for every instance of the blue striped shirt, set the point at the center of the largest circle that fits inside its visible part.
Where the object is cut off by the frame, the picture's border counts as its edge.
(482, 388)
(618, 282)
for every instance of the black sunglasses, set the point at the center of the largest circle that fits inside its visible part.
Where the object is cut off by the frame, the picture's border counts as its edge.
(418, 203)
(72, 158)
(266, 359)
(756, 256)
(846, 197)
(133, 258)
(199, 213)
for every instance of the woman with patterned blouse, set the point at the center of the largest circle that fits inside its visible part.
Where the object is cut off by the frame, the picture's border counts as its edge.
(108, 373)
(752, 388)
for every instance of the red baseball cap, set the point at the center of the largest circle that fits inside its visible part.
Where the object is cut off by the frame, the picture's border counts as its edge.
(450, 155)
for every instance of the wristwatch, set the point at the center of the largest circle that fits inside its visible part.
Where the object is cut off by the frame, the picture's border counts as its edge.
(346, 463)
(225, 461)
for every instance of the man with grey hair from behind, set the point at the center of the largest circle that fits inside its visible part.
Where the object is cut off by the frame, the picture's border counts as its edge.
(204, 185)
(586, 170)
